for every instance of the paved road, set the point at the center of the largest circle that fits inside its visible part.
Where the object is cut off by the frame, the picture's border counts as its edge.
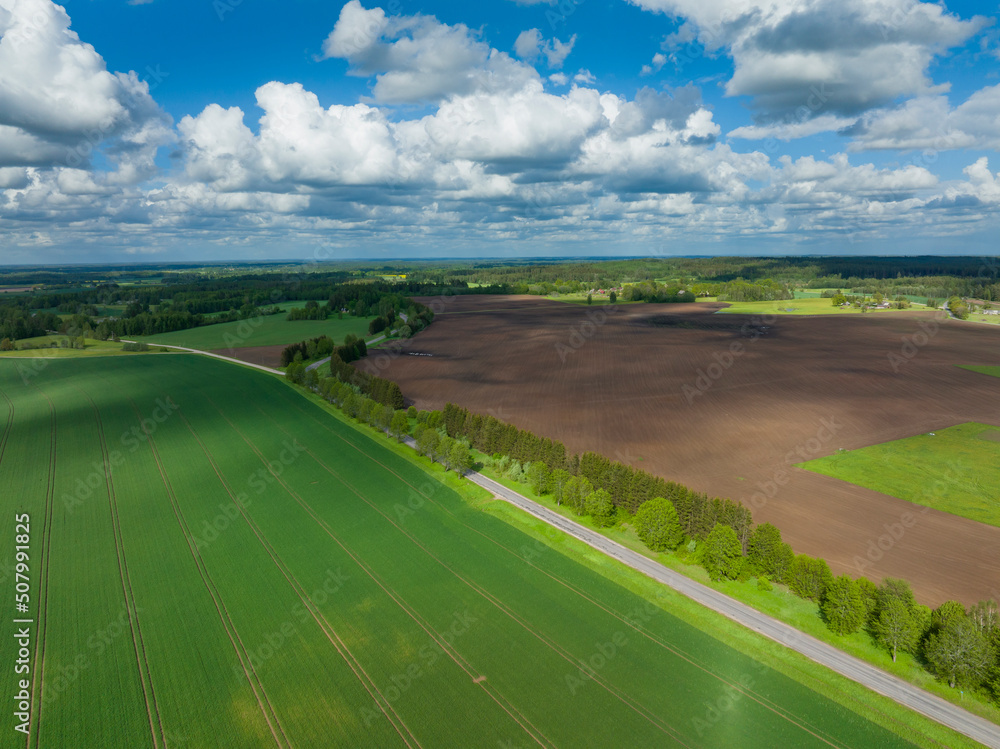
(857, 670)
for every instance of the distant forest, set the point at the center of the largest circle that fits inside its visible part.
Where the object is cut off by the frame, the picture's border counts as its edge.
(114, 301)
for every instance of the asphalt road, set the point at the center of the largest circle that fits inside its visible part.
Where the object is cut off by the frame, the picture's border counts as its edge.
(857, 670)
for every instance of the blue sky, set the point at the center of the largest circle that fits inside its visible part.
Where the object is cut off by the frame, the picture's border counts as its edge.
(229, 129)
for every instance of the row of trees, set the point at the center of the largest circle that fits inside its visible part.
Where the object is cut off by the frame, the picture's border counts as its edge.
(305, 350)
(764, 290)
(627, 486)
(312, 311)
(651, 291)
(380, 389)
(957, 645)
(432, 441)
(961, 647)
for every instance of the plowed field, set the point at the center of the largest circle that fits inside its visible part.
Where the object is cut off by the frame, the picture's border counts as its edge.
(728, 403)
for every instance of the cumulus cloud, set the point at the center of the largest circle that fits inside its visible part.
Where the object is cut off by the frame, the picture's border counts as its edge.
(497, 152)
(659, 60)
(530, 45)
(931, 123)
(857, 54)
(59, 104)
(418, 58)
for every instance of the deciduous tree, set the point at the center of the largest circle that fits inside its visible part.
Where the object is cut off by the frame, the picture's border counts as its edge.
(722, 555)
(843, 606)
(657, 525)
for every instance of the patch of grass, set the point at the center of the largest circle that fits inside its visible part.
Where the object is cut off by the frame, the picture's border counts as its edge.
(956, 470)
(805, 306)
(43, 349)
(269, 330)
(992, 371)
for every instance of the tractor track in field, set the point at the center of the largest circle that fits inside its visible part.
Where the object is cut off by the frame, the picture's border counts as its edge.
(761, 700)
(37, 678)
(505, 704)
(331, 634)
(504, 609)
(228, 624)
(138, 643)
(9, 427)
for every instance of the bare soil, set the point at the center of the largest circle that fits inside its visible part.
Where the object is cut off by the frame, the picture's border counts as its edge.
(268, 356)
(728, 403)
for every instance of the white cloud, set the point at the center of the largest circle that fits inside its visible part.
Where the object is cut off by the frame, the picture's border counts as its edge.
(794, 129)
(417, 58)
(930, 123)
(530, 45)
(659, 60)
(58, 102)
(859, 54)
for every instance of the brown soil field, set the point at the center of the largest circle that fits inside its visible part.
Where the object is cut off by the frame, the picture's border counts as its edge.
(728, 403)
(268, 356)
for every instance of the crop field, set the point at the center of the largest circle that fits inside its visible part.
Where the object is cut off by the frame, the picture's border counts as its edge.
(230, 566)
(956, 470)
(269, 330)
(728, 404)
(804, 306)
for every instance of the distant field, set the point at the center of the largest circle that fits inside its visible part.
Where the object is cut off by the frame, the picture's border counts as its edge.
(957, 470)
(805, 306)
(93, 348)
(993, 371)
(270, 330)
(284, 306)
(979, 317)
(229, 566)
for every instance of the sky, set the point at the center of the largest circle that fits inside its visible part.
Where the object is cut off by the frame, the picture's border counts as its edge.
(197, 130)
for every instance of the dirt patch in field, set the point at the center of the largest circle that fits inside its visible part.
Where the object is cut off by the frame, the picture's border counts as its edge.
(268, 356)
(993, 435)
(728, 407)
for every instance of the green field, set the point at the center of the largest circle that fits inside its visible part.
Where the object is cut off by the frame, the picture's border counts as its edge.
(805, 306)
(980, 317)
(992, 371)
(269, 330)
(216, 561)
(92, 348)
(957, 470)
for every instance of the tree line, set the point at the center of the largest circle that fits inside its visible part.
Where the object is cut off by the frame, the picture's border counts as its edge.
(959, 646)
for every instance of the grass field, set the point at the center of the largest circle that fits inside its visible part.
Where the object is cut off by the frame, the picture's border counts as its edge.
(804, 306)
(227, 565)
(270, 330)
(92, 348)
(992, 371)
(956, 470)
(980, 317)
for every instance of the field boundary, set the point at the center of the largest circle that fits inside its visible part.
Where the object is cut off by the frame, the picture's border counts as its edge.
(906, 694)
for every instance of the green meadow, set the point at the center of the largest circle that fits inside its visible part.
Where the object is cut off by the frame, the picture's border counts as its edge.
(268, 330)
(955, 470)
